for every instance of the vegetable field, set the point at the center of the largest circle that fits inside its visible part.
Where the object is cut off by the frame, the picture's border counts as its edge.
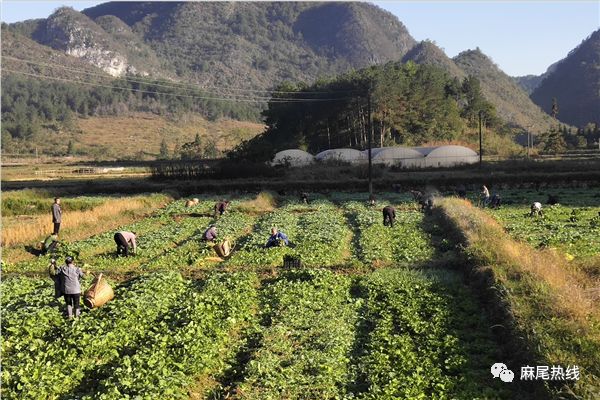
(369, 315)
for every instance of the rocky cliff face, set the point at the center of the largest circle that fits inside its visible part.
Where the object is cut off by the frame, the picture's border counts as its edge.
(78, 36)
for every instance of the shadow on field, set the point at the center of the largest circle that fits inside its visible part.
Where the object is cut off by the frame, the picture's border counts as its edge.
(480, 284)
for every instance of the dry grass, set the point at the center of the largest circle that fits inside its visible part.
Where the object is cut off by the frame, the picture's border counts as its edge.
(80, 224)
(264, 202)
(570, 288)
(125, 136)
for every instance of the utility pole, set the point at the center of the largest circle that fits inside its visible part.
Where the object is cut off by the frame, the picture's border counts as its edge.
(369, 125)
(480, 141)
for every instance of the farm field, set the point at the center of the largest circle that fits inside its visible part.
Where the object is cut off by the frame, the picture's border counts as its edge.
(572, 226)
(374, 313)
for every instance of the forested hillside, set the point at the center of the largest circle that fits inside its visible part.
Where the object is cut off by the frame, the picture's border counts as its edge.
(575, 84)
(411, 105)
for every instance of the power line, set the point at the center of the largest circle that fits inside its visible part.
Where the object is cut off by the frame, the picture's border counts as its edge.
(248, 100)
(172, 84)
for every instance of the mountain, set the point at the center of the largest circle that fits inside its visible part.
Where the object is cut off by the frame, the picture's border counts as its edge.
(511, 101)
(426, 52)
(259, 44)
(530, 82)
(575, 83)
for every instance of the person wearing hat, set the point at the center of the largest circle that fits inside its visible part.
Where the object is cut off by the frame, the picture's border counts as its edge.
(277, 239)
(70, 279)
(210, 234)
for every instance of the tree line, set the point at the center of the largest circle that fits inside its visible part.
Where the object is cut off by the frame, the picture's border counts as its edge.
(410, 104)
(29, 104)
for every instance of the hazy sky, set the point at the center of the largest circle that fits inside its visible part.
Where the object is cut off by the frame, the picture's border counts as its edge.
(522, 37)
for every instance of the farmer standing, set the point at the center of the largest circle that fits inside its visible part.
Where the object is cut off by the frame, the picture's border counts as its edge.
(389, 216)
(70, 276)
(56, 215)
(124, 241)
(485, 195)
(276, 237)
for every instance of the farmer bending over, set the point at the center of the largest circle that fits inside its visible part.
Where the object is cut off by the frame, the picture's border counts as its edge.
(124, 241)
(536, 209)
(49, 244)
(495, 201)
(210, 234)
(304, 197)
(276, 238)
(389, 216)
(221, 206)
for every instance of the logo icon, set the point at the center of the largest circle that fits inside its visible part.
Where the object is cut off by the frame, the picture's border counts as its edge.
(500, 370)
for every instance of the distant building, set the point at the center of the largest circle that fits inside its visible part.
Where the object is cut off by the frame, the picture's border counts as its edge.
(293, 158)
(399, 156)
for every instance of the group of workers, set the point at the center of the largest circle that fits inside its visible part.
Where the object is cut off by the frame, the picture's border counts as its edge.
(67, 277)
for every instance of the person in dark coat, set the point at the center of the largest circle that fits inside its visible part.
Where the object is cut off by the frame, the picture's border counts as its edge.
(53, 272)
(221, 206)
(389, 216)
(304, 197)
(496, 201)
(70, 278)
(210, 234)
(56, 215)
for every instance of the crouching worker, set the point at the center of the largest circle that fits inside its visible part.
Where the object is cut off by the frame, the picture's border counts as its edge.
(70, 276)
(124, 241)
(53, 272)
(304, 197)
(536, 209)
(221, 207)
(276, 239)
(210, 234)
(49, 244)
(389, 216)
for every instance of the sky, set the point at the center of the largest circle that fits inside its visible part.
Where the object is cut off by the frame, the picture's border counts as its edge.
(521, 37)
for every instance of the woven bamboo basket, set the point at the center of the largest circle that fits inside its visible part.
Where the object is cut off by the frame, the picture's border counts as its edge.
(98, 294)
(223, 249)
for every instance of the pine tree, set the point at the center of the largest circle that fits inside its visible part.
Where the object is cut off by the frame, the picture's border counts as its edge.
(554, 108)
(164, 150)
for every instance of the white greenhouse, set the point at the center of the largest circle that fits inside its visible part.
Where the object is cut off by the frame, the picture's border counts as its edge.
(448, 156)
(293, 158)
(405, 157)
(345, 155)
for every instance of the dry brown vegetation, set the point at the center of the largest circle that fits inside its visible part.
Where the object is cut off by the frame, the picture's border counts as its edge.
(554, 306)
(489, 240)
(263, 202)
(113, 137)
(77, 225)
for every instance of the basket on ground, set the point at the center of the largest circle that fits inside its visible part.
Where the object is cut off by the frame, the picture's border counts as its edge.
(98, 294)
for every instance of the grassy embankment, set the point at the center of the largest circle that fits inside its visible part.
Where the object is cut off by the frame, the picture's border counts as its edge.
(26, 217)
(553, 306)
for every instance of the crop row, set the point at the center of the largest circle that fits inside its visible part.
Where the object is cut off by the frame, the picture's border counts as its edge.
(95, 339)
(425, 340)
(406, 243)
(574, 230)
(191, 340)
(304, 352)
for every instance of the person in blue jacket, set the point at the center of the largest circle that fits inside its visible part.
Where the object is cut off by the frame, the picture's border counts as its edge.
(276, 238)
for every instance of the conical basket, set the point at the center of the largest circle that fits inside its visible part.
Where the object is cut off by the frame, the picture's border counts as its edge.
(98, 294)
